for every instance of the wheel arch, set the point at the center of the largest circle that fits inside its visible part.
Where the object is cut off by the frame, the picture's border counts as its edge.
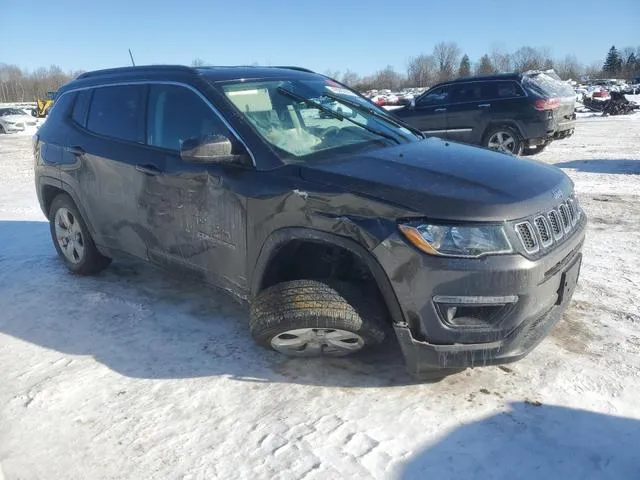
(280, 239)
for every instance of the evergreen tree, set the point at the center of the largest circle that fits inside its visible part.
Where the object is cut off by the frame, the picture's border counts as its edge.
(485, 66)
(465, 67)
(613, 62)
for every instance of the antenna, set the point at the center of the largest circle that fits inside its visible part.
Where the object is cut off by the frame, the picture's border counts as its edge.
(131, 55)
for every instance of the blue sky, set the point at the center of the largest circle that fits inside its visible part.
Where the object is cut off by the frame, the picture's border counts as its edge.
(363, 36)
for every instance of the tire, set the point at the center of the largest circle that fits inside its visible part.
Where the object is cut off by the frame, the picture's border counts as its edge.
(34, 113)
(2, 130)
(533, 151)
(72, 239)
(314, 318)
(494, 136)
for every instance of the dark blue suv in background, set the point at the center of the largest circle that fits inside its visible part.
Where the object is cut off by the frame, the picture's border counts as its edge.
(514, 113)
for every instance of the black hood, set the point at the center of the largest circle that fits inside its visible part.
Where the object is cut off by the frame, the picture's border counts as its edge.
(447, 181)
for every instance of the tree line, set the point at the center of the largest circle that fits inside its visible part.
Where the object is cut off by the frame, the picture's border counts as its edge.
(445, 62)
(17, 85)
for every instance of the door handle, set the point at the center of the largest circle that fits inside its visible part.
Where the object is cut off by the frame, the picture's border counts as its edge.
(440, 110)
(75, 150)
(484, 105)
(148, 169)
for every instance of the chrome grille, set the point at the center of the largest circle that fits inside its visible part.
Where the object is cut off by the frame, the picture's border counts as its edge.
(543, 230)
(527, 237)
(566, 220)
(554, 219)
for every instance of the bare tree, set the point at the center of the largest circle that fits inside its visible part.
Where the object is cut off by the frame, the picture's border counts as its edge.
(500, 59)
(421, 71)
(350, 78)
(198, 62)
(447, 56)
(388, 78)
(528, 58)
(569, 68)
(18, 85)
(332, 73)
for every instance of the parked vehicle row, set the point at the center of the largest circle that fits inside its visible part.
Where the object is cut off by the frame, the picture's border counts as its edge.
(335, 220)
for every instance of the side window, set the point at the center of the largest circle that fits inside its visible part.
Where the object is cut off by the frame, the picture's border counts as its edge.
(437, 96)
(118, 112)
(509, 90)
(466, 92)
(80, 107)
(176, 114)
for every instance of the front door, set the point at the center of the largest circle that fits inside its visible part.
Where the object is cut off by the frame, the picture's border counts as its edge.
(195, 218)
(429, 114)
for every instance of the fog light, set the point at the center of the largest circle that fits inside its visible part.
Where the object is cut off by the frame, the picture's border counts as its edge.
(472, 311)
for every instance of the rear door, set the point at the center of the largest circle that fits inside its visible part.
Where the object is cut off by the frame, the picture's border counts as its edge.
(429, 114)
(507, 101)
(106, 148)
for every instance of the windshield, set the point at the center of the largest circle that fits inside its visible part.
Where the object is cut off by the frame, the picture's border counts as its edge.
(311, 118)
(10, 111)
(547, 86)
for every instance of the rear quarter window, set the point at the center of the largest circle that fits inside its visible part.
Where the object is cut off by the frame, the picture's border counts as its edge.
(118, 112)
(81, 107)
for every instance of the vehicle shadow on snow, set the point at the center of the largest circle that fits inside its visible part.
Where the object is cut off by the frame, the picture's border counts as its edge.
(603, 166)
(146, 323)
(534, 442)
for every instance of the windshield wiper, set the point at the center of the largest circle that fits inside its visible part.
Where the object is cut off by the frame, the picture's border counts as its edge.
(337, 115)
(374, 112)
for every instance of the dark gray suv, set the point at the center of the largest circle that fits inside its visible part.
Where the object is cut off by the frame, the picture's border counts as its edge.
(515, 113)
(334, 220)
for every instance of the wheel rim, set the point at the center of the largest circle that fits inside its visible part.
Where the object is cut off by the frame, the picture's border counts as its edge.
(69, 235)
(317, 342)
(503, 142)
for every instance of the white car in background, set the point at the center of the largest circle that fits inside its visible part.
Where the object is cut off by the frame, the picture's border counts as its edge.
(15, 120)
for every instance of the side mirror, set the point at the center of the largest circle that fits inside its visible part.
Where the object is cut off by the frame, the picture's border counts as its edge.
(210, 149)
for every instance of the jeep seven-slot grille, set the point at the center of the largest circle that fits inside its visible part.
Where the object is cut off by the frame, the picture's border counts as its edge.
(546, 229)
(527, 236)
(543, 229)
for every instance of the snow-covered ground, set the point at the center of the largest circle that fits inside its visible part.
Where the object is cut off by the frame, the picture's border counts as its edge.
(136, 374)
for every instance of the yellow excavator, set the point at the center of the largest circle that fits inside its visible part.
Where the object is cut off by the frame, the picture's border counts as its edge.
(44, 105)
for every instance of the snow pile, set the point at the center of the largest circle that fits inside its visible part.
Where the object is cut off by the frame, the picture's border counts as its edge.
(136, 374)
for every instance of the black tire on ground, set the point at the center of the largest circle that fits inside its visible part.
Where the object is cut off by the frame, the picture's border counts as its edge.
(2, 129)
(34, 113)
(533, 150)
(515, 149)
(91, 261)
(316, 304)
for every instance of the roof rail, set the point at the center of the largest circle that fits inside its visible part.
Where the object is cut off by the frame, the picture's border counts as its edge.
(290, 67)
(142, 68)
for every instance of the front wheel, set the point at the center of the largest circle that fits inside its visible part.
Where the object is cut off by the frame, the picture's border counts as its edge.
(315, 318)
(72, 239)
(505, 140)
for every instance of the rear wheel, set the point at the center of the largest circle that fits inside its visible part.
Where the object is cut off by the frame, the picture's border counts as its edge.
(2, 130)
(72, 239)
(504, 139)
(315, 318)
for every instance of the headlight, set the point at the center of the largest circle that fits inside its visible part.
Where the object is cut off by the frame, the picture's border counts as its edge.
(457, 240)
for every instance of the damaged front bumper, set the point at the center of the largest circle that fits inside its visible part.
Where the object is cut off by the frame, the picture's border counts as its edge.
(461, 313)
(423, 358)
